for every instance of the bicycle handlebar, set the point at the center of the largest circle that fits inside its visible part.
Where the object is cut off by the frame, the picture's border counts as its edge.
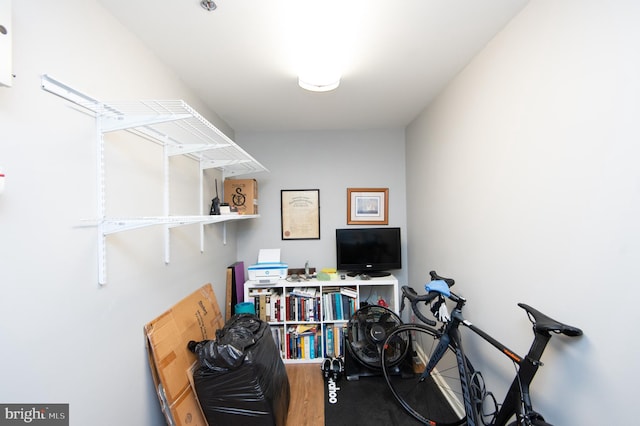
(542, 323)
(415, 298)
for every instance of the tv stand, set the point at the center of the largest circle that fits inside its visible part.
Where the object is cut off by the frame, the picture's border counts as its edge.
(372, 274)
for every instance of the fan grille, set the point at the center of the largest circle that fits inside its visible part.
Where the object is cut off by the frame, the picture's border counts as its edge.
(366, 332)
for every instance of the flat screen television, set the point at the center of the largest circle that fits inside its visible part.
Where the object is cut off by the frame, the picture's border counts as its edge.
(369, 251)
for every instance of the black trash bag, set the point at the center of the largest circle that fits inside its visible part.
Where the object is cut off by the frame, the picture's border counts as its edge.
(240, 378)
(227, 351)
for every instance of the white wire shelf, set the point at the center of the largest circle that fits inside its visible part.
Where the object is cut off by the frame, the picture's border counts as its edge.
(172, 123)
(112, 225)
(181, 131)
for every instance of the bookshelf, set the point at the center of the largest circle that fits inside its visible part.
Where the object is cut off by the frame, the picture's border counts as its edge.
(308, 318)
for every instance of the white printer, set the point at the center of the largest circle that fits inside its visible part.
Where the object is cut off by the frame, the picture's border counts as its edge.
(269, 269)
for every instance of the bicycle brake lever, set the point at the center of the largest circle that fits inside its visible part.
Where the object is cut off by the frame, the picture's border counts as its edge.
(436, 306)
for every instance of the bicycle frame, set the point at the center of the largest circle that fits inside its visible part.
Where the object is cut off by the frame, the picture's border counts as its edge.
(518, 394)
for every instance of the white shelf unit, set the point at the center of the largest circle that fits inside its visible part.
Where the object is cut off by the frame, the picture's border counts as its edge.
(180, 130)
(367, 291)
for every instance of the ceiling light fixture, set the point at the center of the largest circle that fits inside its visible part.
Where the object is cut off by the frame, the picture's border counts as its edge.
(319, 60)
(208, 5)
(318, 38)
(318, 84)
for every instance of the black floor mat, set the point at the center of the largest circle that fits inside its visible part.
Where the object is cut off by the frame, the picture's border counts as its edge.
(367, 401)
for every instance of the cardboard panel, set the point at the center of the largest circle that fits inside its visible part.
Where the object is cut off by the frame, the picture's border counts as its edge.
(242, 194)
(196, 317)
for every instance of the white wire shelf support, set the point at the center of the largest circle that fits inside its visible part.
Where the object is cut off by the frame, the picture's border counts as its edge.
(180, 130)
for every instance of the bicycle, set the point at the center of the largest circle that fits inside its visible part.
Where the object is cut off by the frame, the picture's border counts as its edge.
(448, 391)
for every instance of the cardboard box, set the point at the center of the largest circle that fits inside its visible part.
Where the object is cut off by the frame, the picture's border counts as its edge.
(196, 317)
(242, 194)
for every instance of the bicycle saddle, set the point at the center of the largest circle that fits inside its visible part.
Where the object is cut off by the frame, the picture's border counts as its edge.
(434, 276)
(543, 323)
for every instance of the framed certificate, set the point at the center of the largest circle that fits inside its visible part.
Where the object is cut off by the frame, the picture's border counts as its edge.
(300, 214)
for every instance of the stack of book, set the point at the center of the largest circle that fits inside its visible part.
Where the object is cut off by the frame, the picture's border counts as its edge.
(303, 341)
(268, 304)
(303, 304)
(334, 340)
(298, 304)
(339, 304)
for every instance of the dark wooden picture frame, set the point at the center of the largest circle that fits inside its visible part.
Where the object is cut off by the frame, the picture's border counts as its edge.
(367, 206)
(300, 214)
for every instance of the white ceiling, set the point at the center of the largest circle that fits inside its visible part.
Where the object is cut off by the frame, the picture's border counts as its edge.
(236, 59)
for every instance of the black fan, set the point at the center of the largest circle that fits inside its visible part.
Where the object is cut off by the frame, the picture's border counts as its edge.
(366, 332)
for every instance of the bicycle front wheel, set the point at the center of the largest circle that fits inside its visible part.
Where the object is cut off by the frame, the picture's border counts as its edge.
(437, 397)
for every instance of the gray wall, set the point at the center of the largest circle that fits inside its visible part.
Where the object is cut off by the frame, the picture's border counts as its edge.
(330, 161)
(64, 339)
(528, 161)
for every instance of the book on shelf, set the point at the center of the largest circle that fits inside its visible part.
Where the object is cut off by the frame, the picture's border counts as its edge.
(270, 306)
(258, 291)
(333, 339)
(303, 341)
(337, 299)
(328, 340)
(302, 308)
(339, 341)
(304, 291)
(337, 306)
(348, 291)
(303, 328)
(267, 305)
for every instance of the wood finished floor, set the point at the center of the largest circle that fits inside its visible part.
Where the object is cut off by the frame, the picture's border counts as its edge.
(306, 406)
